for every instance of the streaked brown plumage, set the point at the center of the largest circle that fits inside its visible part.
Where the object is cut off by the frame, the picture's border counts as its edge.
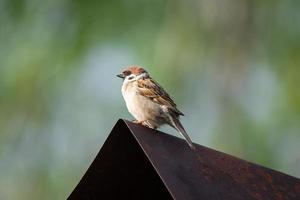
(148, 102)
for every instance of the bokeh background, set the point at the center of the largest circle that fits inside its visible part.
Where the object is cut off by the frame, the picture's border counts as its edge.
(232, 66)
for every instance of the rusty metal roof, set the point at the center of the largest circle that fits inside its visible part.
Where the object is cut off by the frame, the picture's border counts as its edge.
(136, 162)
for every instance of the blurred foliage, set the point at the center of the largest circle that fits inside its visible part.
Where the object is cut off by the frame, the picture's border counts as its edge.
(232, 66)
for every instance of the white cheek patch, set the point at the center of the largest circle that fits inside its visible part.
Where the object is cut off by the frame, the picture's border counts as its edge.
(129, 79)
(140, 76)
(135, 78)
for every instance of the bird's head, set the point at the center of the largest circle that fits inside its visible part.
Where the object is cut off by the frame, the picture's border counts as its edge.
(133, 73)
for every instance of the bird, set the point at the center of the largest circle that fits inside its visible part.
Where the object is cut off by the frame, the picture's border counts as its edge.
(149, 103)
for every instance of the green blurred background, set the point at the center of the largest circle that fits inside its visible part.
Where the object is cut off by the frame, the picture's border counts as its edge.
(232, 66)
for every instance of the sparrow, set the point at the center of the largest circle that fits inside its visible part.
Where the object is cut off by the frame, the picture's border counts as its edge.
(149, 103)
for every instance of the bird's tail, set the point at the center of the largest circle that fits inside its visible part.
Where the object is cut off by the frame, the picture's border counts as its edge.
(178, 126)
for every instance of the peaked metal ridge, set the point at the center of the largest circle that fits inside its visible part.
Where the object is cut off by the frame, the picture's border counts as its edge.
(137, 162)
(208, 174)
(120, 170)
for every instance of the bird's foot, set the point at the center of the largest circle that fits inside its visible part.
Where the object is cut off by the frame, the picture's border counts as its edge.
(144, 123)
(149, 125)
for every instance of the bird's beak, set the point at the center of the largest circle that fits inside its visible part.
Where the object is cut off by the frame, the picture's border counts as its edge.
(121, 76)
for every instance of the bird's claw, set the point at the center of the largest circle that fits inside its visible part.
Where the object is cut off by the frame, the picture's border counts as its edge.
(144, 123)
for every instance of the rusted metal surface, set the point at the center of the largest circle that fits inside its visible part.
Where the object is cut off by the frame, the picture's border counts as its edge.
(140, 163)
(120, 171)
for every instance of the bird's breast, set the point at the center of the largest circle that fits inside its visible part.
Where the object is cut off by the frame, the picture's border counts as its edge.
(139, 106)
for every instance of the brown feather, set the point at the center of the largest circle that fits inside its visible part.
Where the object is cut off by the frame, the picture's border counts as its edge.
(135, 70)
(152, 90)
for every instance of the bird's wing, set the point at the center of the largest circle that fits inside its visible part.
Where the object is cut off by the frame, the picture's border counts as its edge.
(152, 90)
